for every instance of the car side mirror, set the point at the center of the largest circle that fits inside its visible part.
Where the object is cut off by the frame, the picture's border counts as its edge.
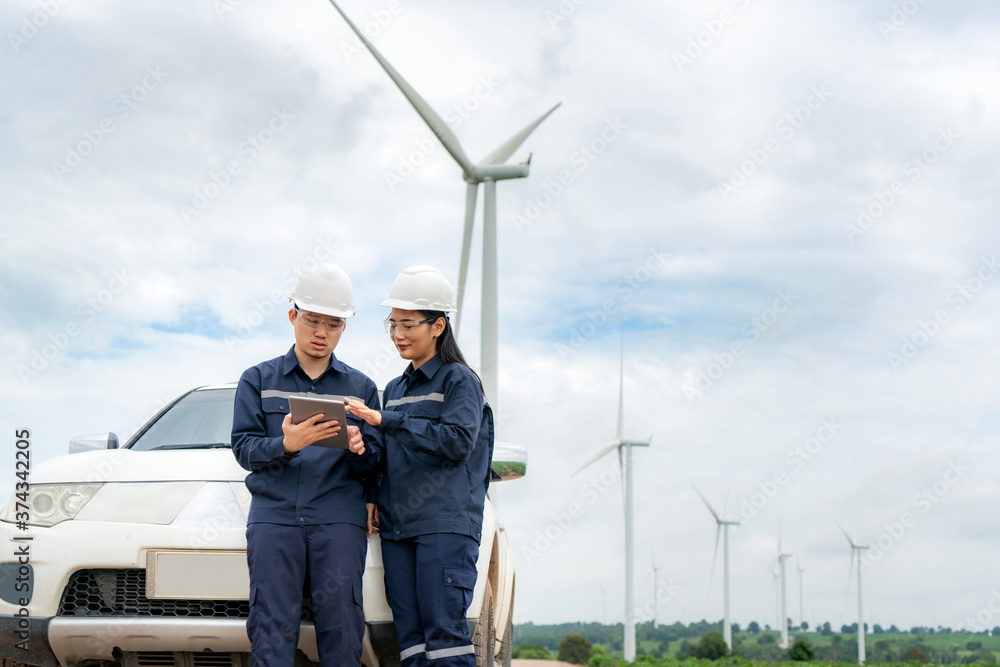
(89, 443)
(509, 462)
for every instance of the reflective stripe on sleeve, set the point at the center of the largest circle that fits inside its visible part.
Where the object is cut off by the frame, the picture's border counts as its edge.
(413, 399)
(449, 652)
(412, 651)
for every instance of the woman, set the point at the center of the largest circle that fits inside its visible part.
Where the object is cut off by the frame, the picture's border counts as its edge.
(437, 442)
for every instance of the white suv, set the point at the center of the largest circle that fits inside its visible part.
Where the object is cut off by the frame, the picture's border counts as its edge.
(137, 555)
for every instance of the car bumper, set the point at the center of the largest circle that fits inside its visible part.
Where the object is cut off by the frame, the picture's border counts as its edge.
(65, 641)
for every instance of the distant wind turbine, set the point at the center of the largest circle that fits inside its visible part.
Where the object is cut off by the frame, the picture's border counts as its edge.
(624, 448)
(856, 550)
(783, 613)
(656, 591)
(722, 526)
(604, 605)
(776, 576)
(488, 170)
(798, 565)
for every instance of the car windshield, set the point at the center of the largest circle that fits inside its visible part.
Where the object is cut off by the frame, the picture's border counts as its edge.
(200, 420)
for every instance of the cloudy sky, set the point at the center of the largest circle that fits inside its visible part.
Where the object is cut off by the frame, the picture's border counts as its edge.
(790, 209)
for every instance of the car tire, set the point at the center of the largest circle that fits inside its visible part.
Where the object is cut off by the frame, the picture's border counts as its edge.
(507, 646)
(484, 640)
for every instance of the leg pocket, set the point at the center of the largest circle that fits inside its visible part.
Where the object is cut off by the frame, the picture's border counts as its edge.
(458, 585)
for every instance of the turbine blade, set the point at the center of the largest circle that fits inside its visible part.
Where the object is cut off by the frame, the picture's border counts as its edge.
(431, 117)
(507, 148)
(725, 503)
(715, 553)
(599, 455)
(471, 191)
(717, 519)
(849, 540)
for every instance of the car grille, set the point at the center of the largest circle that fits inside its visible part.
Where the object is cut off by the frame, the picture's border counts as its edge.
(123, 593)
(184, 659)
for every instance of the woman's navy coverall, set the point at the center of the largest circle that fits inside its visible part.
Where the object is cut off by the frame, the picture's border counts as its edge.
(437, 432)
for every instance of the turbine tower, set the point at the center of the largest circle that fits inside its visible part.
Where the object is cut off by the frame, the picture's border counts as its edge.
(856, 550)
(488, 170)
(624, 448)
(722, 526)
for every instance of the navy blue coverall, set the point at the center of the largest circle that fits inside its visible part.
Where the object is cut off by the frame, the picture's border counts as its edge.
(437, 433)
(306, 528)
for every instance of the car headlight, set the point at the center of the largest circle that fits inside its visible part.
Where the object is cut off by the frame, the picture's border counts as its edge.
(49, 504)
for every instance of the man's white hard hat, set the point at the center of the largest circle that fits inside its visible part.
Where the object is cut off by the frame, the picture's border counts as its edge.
(325, 290)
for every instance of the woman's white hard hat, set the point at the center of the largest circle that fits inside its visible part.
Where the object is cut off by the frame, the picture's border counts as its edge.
(325, 290)
(422, 287)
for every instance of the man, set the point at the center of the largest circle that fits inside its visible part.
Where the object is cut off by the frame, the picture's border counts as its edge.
(307, 516)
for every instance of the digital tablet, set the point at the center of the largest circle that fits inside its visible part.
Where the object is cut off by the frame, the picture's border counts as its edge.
(303, 408)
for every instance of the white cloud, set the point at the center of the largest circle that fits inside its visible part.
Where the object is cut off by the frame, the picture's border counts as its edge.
(317, 189)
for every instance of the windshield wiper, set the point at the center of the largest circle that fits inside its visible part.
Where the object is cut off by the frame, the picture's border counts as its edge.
(213, 445)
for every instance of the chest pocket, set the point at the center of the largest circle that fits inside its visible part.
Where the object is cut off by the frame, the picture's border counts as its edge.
(274, 405)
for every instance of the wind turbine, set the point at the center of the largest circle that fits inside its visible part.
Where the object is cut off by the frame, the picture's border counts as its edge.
(856, 550)
(776, 576)
(783, 614)
(624, 448)
(488, 170)
(656, 591)
(604, 605)
(722, 526)
(798, 565)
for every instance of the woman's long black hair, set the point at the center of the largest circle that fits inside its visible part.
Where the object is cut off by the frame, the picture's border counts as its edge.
(447, 346)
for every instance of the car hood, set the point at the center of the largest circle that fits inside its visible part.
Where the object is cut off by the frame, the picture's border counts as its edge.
(125, 465)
